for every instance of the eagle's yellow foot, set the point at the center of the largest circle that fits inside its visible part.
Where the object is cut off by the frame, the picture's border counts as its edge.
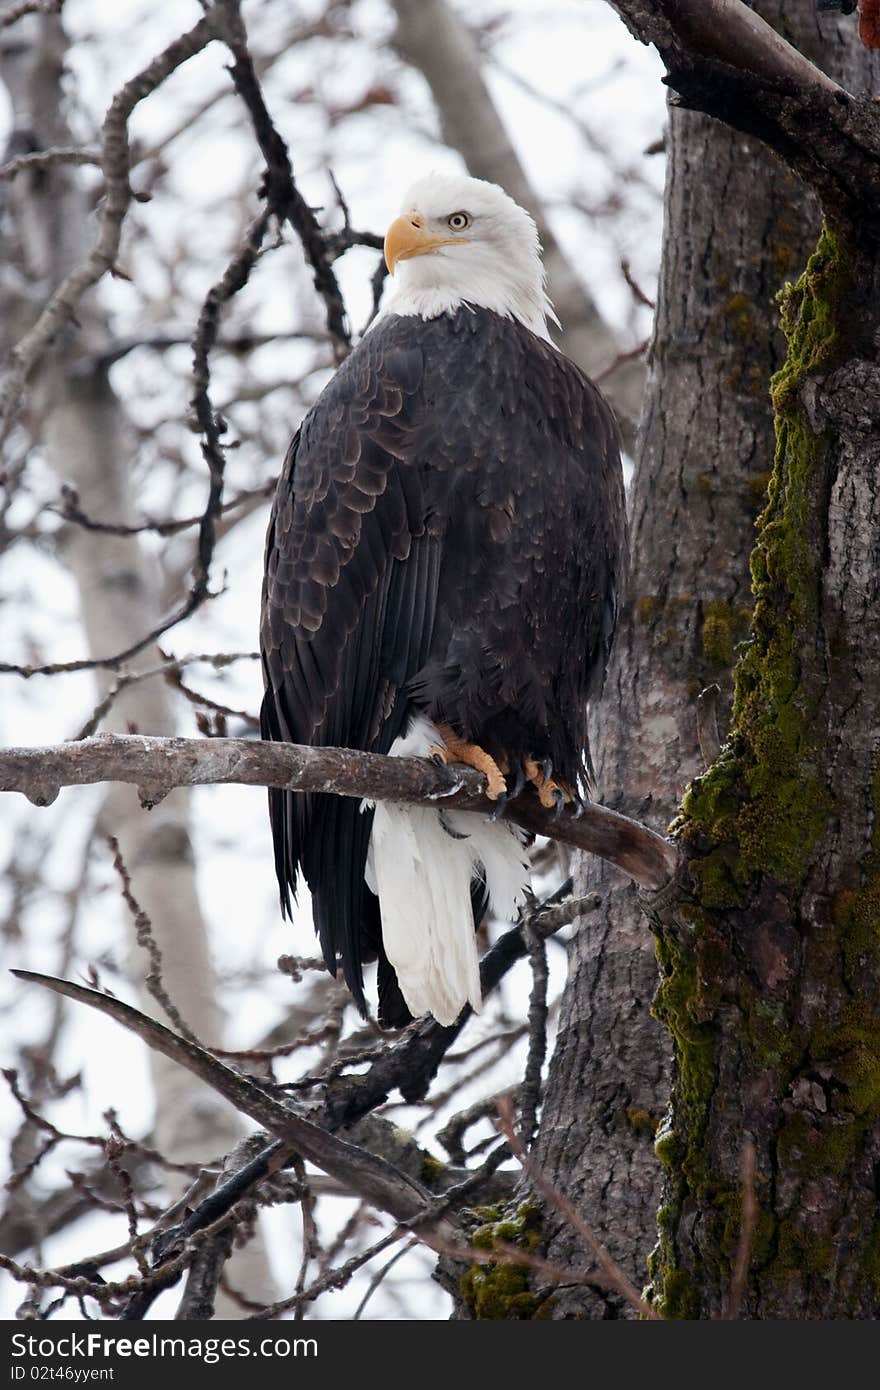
(458, 750)
(549, 792)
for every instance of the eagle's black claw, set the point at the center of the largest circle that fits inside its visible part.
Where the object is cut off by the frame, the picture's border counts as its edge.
(500, 806)
(547, 768)
(580, 807)
(558, 801)
(519, 781)
(439, 759)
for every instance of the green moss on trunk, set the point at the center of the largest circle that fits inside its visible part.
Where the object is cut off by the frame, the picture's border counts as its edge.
(750, 827)
(499, 1290)
(764, 800)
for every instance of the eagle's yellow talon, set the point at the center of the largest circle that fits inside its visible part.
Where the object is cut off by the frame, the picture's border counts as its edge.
(545, 786)
(458, 750)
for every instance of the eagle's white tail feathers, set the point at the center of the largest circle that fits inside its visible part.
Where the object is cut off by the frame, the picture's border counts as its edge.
(421, 867)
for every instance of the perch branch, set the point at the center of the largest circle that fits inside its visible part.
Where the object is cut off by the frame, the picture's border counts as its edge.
(157, 765)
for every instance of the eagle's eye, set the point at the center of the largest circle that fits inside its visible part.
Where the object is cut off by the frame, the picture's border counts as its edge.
(458, 221)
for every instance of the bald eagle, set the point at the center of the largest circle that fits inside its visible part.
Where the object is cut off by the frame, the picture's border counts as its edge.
(443, 563)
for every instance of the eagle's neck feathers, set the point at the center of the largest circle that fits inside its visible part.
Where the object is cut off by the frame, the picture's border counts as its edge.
(471, 276)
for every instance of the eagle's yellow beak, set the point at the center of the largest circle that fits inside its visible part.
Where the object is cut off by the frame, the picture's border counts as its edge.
(406, 237)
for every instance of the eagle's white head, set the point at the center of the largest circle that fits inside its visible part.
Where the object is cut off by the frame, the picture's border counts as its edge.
(459, 241)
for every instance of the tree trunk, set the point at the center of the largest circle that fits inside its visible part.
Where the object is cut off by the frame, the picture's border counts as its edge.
(738, 225)
(770, 952)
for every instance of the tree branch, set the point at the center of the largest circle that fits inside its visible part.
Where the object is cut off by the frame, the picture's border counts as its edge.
(29, 7)
(157, 765)
(40, 159)
(408, 1065)
(70, 510)
(726, 31)
(283, 198)
(365, 1173)
(725, 60)
(115, 165)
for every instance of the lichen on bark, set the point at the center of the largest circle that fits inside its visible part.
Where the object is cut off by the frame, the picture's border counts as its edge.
(749, 939)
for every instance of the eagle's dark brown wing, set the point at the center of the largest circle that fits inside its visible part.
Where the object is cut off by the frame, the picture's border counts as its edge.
(447, 534)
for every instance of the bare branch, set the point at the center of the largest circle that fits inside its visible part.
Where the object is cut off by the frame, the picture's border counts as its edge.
(530, 1094)
(726, 31)
(156, 765)
(115, 164)
(146, 940)
(70, 510)
(237, 344)
(42, 158)
(205, 1272)
(409, 1064)
(725, 60)
(333, 1279)
(379, 1276)
(234, 278)
(167, 668)
(372, 1177)
(283, 198)
(29, 7)
(204, 702)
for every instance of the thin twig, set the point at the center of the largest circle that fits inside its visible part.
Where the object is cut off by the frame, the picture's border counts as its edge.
(310, 1243)
(283, 198)
(29, 7)
(530, 1093)
(613, 1274)
(620, 358)
(233, 279)
(147, 941)
(70, 510)
(238, 345)
(114, 1151)
(333, 1279)
(41, 159)
(380, 1275)
(115, 164)
(169, 666)
(203, 702)
(637, 292)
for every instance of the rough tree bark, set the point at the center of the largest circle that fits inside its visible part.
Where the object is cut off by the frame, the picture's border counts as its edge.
(738, 224)
(768, 942)
(73, 410)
